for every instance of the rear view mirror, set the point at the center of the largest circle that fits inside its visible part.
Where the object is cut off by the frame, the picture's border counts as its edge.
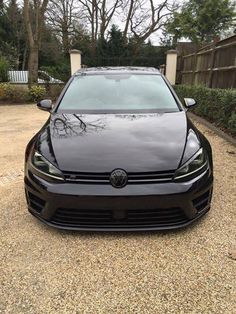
(45, 104)
(189, 102)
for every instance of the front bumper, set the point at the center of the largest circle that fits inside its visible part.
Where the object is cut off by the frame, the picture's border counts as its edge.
(158, 206)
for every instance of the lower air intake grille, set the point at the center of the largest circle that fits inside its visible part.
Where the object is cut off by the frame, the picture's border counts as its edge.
(202, 201)
(35, 202)
(119, 218)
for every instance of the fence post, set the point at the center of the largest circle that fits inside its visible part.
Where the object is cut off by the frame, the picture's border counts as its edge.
(195, 70)
(75, 60)
(171, 65)
(212, 63)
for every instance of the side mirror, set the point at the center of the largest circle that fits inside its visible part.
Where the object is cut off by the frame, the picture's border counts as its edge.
(45, 104)
(189, 102)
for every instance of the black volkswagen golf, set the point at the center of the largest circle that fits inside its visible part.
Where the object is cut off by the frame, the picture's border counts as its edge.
(118, 152)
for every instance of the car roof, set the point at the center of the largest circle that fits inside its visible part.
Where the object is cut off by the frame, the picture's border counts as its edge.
(118, 70)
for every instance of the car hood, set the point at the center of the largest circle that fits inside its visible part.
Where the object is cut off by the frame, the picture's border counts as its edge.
(102, 143)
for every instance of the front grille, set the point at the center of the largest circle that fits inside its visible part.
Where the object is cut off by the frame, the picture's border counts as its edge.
(133, 177)
(119, 218)
(202, 201)
(35, 202)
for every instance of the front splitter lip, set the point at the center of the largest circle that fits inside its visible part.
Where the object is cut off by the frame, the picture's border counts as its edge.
(130, 229)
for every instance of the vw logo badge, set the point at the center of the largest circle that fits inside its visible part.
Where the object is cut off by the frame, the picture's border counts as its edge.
(118, 178)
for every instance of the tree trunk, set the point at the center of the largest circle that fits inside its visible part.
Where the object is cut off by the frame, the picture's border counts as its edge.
(65, 40)
(125, 32)
(33, 66)
(34, 36)
(24, 58)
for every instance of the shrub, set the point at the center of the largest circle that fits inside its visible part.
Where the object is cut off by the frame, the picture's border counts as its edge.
(232, 123)
(54, 91)
(37, 93)
(216, 105)
(13, 93)
(4, 68)
(6, 91)
(20, 95)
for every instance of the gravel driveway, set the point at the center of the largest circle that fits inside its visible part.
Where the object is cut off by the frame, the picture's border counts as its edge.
(43, 270)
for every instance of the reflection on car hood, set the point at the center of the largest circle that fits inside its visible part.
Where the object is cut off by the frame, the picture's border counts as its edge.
(101, 143)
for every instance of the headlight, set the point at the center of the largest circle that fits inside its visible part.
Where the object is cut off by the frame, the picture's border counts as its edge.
(44, 166)
(194, 166)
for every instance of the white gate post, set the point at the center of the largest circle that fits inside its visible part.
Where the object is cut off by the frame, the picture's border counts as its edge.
(75, 60)
(171, 66)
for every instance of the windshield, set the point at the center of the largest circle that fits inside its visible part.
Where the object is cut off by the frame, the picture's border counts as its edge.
(118, 93)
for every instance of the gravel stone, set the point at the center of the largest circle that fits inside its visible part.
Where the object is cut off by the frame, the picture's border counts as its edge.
(44, 270)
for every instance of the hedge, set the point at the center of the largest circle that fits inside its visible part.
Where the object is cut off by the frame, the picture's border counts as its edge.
(4, 67)
(10, 93)
(216, 105)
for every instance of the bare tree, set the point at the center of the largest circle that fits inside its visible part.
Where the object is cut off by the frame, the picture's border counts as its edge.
(106, 12)
(141, 18)
(98, 14)
(34, 31)
(89, 10)
(62, 16)
(145, 17)
(130, 5)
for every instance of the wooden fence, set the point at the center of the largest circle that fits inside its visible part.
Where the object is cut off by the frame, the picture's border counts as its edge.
(213, 66)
